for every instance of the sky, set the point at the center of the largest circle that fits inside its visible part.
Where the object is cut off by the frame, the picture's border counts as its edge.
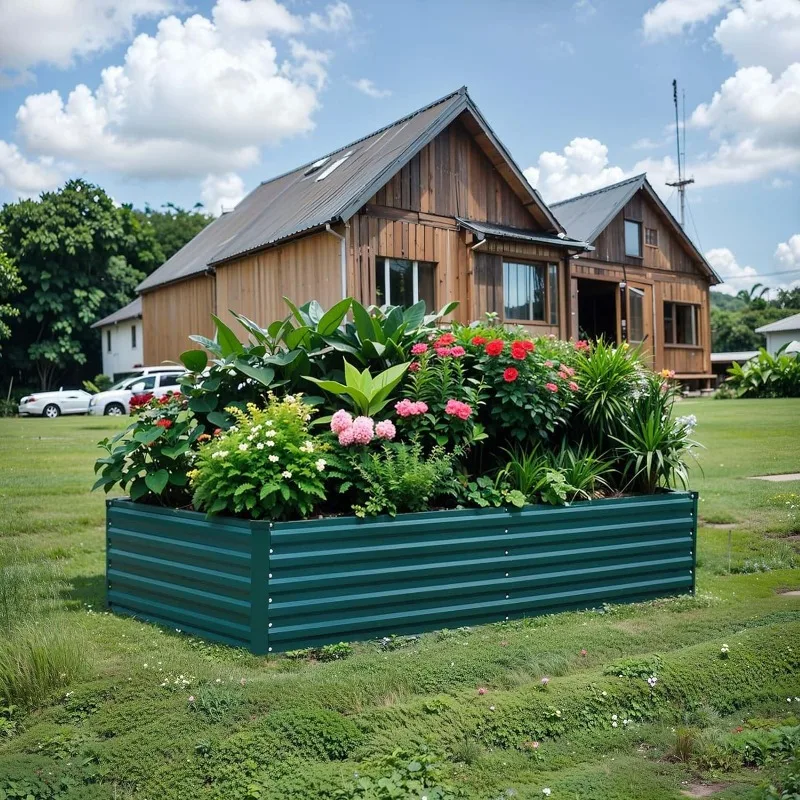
(189, 101)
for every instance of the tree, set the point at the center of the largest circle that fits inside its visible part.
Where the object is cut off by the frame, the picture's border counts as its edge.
(80, 258)
(788, 298)
(174, 226)
(10, 285)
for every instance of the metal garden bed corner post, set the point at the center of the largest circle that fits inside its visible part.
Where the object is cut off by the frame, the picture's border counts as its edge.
(260, 574)
(695, 496)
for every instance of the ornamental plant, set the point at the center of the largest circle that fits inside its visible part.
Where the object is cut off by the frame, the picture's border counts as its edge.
(265, 465)
(529, 391)
(150, 459)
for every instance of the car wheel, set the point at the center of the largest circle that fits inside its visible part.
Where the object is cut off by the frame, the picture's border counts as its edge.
(114, 410)
(51, 411)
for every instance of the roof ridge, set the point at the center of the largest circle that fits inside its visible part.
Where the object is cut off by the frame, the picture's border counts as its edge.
(406, 118)
(639, 177)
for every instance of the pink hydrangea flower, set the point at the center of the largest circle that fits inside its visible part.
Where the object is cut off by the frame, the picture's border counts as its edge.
(457, 351)
(347, 437)
(363, 430)
(573, 386)
(548, 363)
(340, 421)
(569, 370)
(455, 408)
(410, 408)
(413, 366)
(563, 375)
(551, 387)
(443, 352)
(419, 349)
(385, 430)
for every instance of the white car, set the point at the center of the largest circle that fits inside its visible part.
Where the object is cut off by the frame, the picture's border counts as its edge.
(116, 400)
(54, 404)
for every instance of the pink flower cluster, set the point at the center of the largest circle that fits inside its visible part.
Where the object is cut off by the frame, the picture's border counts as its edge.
(455, 352)
(410, 408)
(419, 349)
(361, 430)
(455, 408)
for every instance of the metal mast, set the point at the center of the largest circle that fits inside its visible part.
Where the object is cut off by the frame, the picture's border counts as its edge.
(682, 182)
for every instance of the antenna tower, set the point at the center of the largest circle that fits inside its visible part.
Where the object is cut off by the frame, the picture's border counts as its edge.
(682, 182)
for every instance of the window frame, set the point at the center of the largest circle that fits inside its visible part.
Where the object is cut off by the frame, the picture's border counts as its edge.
(133, 336)
(673, 304)
(550, 292)
(639, 227)
(641, 294)
(108, 340)
(654, 231)
(414, 279)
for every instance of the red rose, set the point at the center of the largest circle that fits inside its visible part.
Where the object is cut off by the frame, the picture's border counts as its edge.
(495, 347)
(518, 351)
(444, 340)
(478, 341)
(528, 345)
(510, 375)
(164, 423)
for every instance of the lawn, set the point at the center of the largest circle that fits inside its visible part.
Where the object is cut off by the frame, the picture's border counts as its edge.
(108, 707)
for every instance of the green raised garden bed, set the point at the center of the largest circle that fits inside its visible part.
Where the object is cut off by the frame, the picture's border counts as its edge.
(278, 586)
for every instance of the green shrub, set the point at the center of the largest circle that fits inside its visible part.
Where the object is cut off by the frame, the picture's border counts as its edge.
(316, 733)
(767, 375)
(36, 660)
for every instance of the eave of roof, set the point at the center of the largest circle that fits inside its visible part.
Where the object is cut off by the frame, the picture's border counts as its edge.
(790, 323)
(484, 229)
(132, 310)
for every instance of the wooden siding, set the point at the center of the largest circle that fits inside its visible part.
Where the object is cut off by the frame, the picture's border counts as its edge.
(302, 270)
(453, 177)
(170, 314)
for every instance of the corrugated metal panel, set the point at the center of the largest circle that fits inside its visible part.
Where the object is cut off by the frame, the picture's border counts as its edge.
(507, 232)
(181, 570)
(321, 581)
(343, 579)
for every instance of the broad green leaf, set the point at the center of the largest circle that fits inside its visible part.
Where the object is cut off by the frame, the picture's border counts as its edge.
(353, 378)
(219, 418)
(414, 316)
(194, 360)
(178, 478)
(148, 437)
(297, 336)
(332, 318)
(209, 344)
(393, 321)
(388, 379)
(252, 328)
(156, 481)
(299, 315)
(282, 358)
(363, 322)
(138, 489)
(314, 311)
(343, 347)
(263, 375)
(204, 403)
(228, 341)
(175, 450)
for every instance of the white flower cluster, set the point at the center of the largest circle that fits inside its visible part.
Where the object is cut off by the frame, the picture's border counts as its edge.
(689, 422)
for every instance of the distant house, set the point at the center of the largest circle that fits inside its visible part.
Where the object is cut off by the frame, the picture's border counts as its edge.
(431, 207)
(644, 281)
(783, 332)
(722, 362)
(121, 339)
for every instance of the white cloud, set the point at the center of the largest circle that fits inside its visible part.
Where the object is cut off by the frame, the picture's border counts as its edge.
(200, 96)
(366, 86)
(584, 10)
(762, 32)
(780, 183)
(26, 178)
(222, 192)
(735, 277)
(57, 31)
(581, 167)
(673, 16)
(787, 253)
(337, 18)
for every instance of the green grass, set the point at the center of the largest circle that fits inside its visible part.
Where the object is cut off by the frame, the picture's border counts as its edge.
(102, 702)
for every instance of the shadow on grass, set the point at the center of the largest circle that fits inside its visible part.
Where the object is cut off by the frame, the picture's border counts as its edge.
(85, 590)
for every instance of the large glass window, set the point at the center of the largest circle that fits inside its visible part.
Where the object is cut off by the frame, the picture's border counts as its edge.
(635, 315)
(399, 282)
(633, 238)
(133, 337)
(680, 323)
(108, 341)
(523, 291)
(552, 282)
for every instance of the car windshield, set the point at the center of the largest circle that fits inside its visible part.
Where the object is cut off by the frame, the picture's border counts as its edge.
(125, 383)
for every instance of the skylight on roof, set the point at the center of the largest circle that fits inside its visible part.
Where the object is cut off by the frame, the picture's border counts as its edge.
(316, 165)
(339, 161)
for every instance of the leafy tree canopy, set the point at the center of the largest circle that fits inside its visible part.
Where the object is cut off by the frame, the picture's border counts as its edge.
(10, 285)
(173, 226)
(80, 257)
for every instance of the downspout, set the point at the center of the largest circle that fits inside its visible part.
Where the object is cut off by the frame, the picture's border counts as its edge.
(342, 256)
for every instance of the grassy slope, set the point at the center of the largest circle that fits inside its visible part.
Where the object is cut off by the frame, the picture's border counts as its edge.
(139, 739)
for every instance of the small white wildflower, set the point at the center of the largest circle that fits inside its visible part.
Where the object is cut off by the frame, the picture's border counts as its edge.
(219, 454)
(268, 423)
(270, 443)
(243, 447)
(724, 649)
(270, 434)
(320, 464)
(274, 459)
(652, 680)
(290, 398)
(613, 716)
(260, 446)
(605, 694)
(491, 708)
(626, 722)
(286, 474)
(558, 713)
(613, 724)
(546, 792)
(233, 429)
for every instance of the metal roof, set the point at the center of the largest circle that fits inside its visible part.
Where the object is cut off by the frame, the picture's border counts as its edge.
(737, 355)
(296, 203)
(519, 234)
(786, 324)
(587, 215)
(131, 311)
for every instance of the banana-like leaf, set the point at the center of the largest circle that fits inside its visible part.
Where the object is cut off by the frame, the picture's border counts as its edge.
(228, 341)
(332, 318)
(263, 375)
(209, 344)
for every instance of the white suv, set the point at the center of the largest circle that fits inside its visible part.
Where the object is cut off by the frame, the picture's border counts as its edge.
(150, 380)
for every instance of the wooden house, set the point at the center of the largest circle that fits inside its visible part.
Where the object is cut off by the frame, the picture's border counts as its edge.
(430, 207)
(644, 281)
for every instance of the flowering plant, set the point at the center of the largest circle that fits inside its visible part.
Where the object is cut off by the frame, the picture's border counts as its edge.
(151, 457)
(265, 464)
(530, 386)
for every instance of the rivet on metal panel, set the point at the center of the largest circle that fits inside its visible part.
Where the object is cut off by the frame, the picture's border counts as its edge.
(506, 552)
(270, 551)
(269, 624)
(506, 574)
(269, 649)
(506, 597)
(270, 600)
(270, 575)
(506, 617)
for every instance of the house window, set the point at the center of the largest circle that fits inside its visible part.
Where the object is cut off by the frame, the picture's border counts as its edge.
(133, 337)
(552, 283)
(633, 238)
(399, 282)
(524, 291)
(635, 315)
(680, 323)
(651, 237)
(108, 341)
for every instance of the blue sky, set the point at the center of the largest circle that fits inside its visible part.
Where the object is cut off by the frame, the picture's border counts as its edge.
(216, 95)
